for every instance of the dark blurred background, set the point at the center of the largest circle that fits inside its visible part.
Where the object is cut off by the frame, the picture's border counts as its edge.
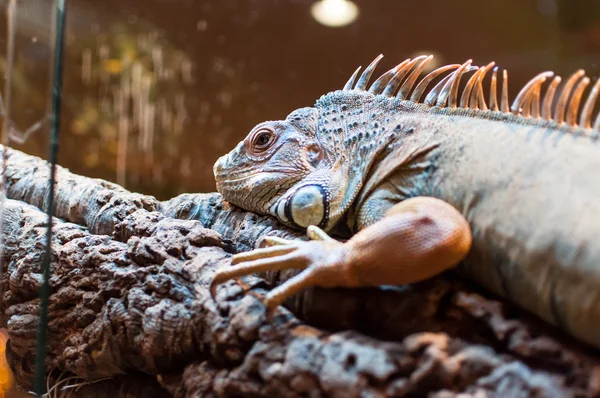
(156, 90)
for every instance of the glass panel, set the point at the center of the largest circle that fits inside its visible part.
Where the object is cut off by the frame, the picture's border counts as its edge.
(25, 65)
(25, 39)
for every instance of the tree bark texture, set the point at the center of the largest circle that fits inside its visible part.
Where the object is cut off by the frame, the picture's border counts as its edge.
(130, 302)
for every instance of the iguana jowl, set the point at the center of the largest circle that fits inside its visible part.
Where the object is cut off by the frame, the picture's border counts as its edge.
(427, 177)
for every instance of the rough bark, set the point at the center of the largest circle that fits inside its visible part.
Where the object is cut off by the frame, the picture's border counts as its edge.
(130, 301)
(94, 203)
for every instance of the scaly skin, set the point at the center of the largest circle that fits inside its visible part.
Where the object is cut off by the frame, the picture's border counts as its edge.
(423, 187)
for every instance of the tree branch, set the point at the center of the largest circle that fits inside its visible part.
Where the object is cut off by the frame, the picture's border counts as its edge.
(130, 301)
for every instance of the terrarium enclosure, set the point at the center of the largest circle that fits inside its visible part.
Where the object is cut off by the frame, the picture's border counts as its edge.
(153, 92)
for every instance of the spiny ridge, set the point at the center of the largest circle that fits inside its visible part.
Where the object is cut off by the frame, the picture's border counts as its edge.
(402, 82)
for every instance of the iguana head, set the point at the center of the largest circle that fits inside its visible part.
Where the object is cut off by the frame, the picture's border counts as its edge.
(280, 169)
(307, 169)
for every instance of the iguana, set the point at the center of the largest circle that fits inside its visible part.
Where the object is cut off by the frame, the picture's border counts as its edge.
(425, 178)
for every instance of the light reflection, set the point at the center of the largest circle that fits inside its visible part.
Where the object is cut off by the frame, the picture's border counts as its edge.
(334, 13)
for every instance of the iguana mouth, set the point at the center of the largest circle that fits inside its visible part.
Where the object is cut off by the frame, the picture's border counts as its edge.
(224, 178)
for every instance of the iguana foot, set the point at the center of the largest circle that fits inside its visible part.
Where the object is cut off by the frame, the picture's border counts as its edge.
(417, 239)
(320, 259)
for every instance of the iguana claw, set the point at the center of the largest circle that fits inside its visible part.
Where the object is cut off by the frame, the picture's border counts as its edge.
(315, 257)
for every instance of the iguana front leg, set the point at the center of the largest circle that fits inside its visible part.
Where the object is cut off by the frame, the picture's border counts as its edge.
(417, 239)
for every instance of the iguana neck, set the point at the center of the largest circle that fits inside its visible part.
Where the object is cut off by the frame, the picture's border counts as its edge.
(355, 133)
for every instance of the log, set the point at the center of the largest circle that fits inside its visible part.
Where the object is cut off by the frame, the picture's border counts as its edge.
(94, 203)
(130, 308)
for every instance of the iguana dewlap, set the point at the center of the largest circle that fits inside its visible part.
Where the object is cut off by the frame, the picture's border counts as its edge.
(428, 175)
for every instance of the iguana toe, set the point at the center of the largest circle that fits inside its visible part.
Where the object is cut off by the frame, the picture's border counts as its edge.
(316, 233)
(319, 259)
(258, 254)
(274, 241)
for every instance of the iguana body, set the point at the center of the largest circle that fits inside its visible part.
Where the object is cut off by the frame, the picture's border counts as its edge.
(517, 190)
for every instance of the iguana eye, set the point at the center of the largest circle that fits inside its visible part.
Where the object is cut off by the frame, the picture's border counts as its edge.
(262, 140)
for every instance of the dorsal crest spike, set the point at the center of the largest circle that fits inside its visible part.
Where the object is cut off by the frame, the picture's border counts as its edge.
(504, 99)
(450, 90)
(418, 92)
(403, 70)
(576, 100)
(478, 95)
(350, 82)
(559, 113)
(466, 94)
(525, 95)
(453, 94)
(363, 80)
(472, 96)
(435, 91)
(535, 101)
(549, 98)
(529, 103)
(399, 72)
(585, 121)
(379, 84)
(412, 78)
(493, 93)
